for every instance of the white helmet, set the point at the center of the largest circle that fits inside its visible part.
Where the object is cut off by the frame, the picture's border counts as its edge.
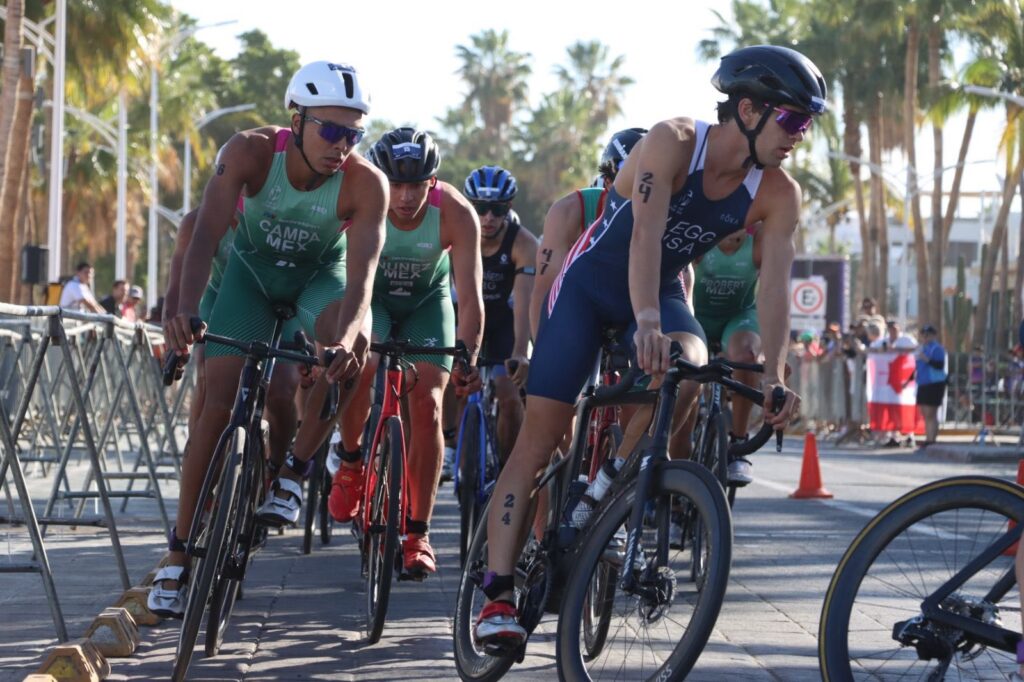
(325, 84)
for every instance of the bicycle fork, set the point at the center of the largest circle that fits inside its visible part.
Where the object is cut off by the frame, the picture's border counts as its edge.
(654, 454)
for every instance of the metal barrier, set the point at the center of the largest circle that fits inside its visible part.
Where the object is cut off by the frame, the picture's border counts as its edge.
(84, 386)
(985, 394)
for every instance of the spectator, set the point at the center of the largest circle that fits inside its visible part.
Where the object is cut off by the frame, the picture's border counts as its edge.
(77, 293)
(129, 309)
(874, 336)
(931, 381)
(869, 313)
(113, 301)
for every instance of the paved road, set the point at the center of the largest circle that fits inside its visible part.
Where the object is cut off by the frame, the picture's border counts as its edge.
(301, 618)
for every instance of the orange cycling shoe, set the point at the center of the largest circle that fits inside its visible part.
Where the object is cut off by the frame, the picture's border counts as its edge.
(346, 493)
(418, 555)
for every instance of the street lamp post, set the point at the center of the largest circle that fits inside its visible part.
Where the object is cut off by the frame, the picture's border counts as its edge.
(199, 125)
(154, 200)
(54, 222)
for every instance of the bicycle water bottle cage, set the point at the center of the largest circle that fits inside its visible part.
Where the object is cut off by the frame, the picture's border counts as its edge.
(284, 311)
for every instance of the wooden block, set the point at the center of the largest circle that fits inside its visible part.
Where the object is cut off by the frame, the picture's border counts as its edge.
(76, 661)
(134, 601)
(114, 633)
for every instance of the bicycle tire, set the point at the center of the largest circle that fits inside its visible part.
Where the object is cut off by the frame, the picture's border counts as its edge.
(385, 517)
(325, 522)
(596, 615)
(231, 448)
(469, 479)
(673, 479)
(473, 664)
(967, 496)
(226, 589)
(313, 487)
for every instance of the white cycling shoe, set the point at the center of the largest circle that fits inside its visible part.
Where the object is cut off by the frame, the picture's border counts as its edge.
(739, 472)
(168, 603)
(281, 510)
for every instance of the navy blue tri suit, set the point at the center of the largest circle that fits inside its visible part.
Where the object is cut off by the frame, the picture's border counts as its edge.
(592, 289)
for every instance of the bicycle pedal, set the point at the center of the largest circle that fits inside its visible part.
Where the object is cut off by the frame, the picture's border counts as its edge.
(413, 576)
(500, 649)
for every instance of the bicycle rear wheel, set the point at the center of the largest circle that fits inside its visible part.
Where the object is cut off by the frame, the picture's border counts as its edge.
(385, 517)
(659, 631)
(473, 663)
(313, 487)
(469, 479)
(596, 606)
(871, 622)
(213, 550)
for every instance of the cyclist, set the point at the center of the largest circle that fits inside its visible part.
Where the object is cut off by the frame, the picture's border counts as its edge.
(309, 234)
(281, 411)
(508, 253)
(426, 219)
(725, 301)
(687, 186)
(570, 216)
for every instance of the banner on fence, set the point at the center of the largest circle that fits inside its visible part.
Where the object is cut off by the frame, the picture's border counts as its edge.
(892, 393)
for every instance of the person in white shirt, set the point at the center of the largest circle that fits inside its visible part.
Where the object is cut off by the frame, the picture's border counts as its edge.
(77, 293)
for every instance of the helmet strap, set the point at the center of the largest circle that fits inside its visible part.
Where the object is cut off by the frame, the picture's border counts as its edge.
(751, 134)
(302, 152)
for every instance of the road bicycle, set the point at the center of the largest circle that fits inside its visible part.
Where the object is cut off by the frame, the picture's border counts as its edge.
(224, 532)
(385, 506)
(926, 590)
(477, 462)
(613, 579)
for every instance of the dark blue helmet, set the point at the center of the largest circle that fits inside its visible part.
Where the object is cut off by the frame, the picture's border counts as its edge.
(490, 183)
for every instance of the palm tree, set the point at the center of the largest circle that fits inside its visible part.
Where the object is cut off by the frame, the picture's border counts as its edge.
(12, 80)
(497, 80)
(596, 78)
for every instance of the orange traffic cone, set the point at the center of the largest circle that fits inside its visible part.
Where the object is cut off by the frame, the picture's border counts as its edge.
(1012, 549)
(810, 473)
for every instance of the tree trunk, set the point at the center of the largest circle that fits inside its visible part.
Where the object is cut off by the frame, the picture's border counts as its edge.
(1004, 291)
(11, 194)
(938, 255)
(878, 220)
(988, 267)
(909, 144)
(1018, 280)
(8, 103)
(852, 147)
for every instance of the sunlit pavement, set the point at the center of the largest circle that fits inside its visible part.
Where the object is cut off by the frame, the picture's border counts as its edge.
(302, 617)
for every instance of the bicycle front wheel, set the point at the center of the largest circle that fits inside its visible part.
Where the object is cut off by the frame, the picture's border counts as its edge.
(214, 547)
(872, 627)
(469, 479)
(313, 487)
(658, 630)
(385, 517)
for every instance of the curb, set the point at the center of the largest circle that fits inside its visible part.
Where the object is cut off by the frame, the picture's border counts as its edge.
(974, 453)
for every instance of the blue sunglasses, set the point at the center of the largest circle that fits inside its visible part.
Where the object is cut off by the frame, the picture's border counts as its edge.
(335, 132)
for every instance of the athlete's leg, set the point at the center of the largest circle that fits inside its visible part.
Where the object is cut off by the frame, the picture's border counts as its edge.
(426, 444)
(281, 410)
(510, 413)
(742, 342)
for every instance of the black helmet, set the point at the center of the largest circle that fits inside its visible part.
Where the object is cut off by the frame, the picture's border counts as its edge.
(406, 155)
(772, 74)
(618, 149)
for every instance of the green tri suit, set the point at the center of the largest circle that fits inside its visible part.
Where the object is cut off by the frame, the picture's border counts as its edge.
(725, 292)
(289, 247)
(411, 299)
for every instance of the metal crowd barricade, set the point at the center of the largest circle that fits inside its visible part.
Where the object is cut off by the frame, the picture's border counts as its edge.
(98, 398)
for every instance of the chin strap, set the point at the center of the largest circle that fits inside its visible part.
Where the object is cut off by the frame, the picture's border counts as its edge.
(751, 134)
(298, 143)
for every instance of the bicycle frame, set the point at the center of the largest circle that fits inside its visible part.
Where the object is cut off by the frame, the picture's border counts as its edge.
(246, 413)
(482, 402)
(391, 407)
(982, 633)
